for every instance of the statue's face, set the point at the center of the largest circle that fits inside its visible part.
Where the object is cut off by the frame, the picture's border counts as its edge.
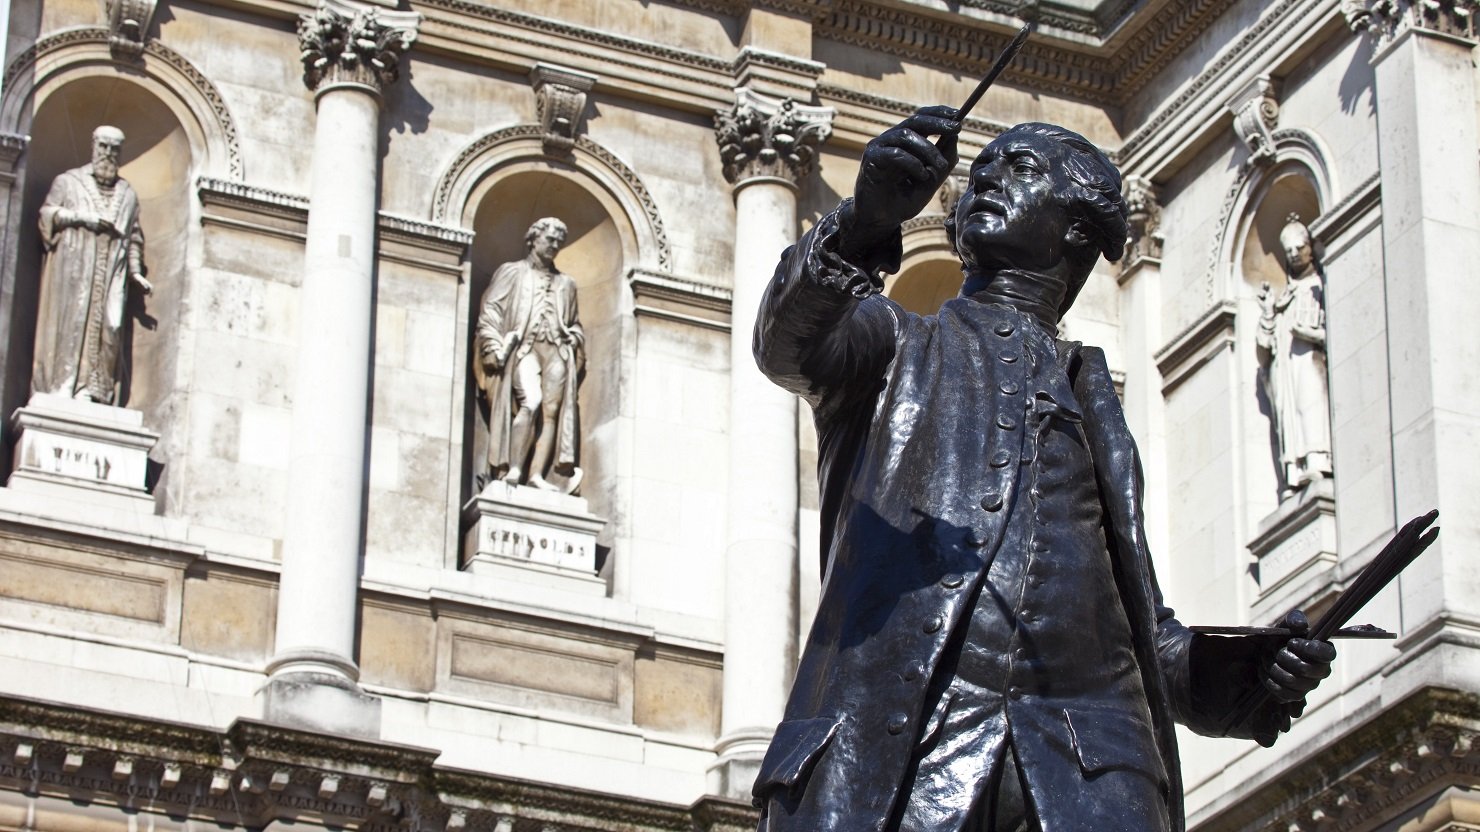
(1296, 244)
(546, 244)
(105, 158)
(1016, 214)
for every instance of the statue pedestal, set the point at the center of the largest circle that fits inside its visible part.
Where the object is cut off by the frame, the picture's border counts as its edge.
(531, 536)
(79, 450)
(1296, 549)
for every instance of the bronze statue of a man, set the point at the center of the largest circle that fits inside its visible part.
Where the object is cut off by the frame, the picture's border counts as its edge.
(1292, 357)
(990, 650)
(528, 355)
(94, 248)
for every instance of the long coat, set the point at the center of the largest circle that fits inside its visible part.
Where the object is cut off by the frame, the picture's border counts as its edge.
(84, 283)
(508, 305)
(914, 497)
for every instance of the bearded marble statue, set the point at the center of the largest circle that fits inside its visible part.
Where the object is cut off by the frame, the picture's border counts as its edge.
(94, 254)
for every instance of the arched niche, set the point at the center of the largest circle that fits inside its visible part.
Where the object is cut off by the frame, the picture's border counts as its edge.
(599, 249)
(158, 160)
(929, 271)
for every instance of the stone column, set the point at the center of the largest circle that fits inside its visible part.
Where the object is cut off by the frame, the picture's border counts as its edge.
(350, 53)
(767, 146)
(1140, 316)
(1427, 139)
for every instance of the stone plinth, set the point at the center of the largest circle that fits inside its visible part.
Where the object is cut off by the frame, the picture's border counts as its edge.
(532, 536)
(79, 450)
(1295, 549)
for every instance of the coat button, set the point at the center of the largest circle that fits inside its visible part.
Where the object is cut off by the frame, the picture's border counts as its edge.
(1008, 358)
(1005, 422)
(913, 671)
(1009, 387)
(951, 581)
(1015, 692)
(1021, 654)
(977, 539)
(897, 723)
(1000, 458)
(992, 501)
(934, 623)
(1003, 328)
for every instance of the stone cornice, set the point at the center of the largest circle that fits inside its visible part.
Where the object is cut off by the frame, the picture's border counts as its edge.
(1365, 778)
(255, 772)
(1196, 345)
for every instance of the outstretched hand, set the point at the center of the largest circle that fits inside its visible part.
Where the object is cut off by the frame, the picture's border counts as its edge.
(1294, 670)
(900, 171)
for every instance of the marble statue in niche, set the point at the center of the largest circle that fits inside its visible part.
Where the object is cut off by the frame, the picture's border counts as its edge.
(94, 254)
(528, 359)
(1292, 357)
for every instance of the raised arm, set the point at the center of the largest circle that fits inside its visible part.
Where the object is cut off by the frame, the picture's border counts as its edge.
(819, 326)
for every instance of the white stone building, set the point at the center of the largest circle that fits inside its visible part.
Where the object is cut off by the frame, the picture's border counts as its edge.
(265, 592)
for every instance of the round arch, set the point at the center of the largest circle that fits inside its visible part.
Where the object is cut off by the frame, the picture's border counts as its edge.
(929, 270)
(63, 57)
(520, 149)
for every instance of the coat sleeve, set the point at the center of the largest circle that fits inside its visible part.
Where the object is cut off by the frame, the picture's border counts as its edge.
(821, 329)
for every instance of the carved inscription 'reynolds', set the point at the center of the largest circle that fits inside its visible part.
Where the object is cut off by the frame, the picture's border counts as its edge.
(540, 545)
(94, 255)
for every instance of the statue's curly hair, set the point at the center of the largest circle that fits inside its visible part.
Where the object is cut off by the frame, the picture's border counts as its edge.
(1096, 196)
(550, 223)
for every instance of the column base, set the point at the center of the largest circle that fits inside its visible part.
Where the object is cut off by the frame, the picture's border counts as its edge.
(322, 702)
(82, 451)
(740, 755)
(527, 535)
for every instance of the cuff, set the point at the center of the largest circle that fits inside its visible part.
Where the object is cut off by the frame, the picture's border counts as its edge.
(860, 279)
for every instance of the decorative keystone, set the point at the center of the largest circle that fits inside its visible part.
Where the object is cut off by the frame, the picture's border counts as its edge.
(128, 27)
(1256, 111)
(767, 137)
(560, 96)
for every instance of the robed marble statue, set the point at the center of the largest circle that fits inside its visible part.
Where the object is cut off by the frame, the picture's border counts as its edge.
(93, 253)
(1292, 357)
(529, 352)
(990, 650)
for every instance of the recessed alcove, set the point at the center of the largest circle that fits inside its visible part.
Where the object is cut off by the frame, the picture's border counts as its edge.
(923, 286)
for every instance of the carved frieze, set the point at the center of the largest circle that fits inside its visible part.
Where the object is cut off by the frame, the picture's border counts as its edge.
(560, 96)
(1382, 20)
(1143, 215)
(766, 137)
(345, 43)
(1256, 112)
(128, 27)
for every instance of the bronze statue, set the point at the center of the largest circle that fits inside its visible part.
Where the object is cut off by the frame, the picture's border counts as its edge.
(990, 650)
(1292, 358)
(528, 357)
(94, 248)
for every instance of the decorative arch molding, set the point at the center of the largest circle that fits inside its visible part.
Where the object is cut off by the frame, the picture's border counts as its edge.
(523, 143)
(70, 54)
(1294, 150)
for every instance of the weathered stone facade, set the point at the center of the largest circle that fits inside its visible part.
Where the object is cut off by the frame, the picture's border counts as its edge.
(283, 625)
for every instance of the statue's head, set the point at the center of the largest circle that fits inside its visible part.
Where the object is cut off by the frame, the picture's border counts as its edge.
(1040, 199)
(107, 144)
(544, 239)
(1296, 244)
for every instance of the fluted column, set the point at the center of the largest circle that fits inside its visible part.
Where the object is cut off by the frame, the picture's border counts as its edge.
(1427, 132)
(767, 146)
(350, 54)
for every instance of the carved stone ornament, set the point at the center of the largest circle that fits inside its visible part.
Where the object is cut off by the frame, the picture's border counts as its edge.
(128, 26)
(560, 95)
(344, 43)
(763, 136)
(1382, 20)
(1256, 111)
(1143, 215)
(951, 191)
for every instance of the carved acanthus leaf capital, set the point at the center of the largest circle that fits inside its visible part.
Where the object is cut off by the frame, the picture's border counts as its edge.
(1143, 215)
(1383, 20)
(128, 27)
(560, 98)
(766, 137)
(1256, 111)
(346, 43)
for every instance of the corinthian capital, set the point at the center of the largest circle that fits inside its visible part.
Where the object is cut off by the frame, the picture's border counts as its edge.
(1143, 216)
(1383, 20)
(345, 43)
(763, 136)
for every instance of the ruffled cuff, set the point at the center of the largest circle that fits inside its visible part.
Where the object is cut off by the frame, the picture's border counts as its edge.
(859, 279)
